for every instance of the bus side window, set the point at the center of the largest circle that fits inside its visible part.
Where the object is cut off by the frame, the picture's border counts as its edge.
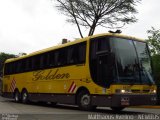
(20, 66)
(36, 62)
(77, 53)
(6, 69)
(23, 65)
(11, 69)
(51, 59)
(15, 67)
(28, 65)
(82, 53)
(18, 69)
(47, 60)
(44, 60)
(70, 59)
(56, 57)
(62, 58)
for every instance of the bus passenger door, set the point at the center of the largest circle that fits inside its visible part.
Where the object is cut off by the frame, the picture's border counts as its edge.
(104, 70)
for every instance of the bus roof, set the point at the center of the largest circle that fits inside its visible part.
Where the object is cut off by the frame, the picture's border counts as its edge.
(72, 43)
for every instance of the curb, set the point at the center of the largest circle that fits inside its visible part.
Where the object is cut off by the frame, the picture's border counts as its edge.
(150, 107)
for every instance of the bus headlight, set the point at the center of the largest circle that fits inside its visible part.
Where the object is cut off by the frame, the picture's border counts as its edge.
(123, 91)
(153, 91)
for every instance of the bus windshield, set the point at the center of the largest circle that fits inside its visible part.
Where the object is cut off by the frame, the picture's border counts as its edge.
(132, 61)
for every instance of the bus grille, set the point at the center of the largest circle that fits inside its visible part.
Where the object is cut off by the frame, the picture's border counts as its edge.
(136, 91)
(140, 91)
(146, 91)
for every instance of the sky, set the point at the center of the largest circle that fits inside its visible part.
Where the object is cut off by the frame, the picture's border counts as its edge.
(31, 25)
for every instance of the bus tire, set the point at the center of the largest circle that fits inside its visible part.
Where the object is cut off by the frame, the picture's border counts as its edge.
(117, 109)
(53, 103)
(17, 96)
(84, 100)
(25, 99)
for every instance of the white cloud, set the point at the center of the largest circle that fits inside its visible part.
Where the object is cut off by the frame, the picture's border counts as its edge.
(26, 27)
(147, 17)
(30, 25)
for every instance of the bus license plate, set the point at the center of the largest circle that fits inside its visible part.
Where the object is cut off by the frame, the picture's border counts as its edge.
(125, 101)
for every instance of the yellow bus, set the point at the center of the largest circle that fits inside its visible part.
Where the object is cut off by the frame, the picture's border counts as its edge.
(110, 69)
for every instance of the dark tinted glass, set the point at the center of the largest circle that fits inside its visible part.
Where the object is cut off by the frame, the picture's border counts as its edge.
(126, 60)
(100, 68)
(144, 61)
(75, 54)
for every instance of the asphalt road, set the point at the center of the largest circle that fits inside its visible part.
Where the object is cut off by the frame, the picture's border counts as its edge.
(9, 110)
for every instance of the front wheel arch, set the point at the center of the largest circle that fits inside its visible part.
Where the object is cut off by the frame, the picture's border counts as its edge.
(83, 99)
(78, 92)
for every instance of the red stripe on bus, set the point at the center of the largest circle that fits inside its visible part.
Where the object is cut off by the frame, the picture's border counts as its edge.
(13, 85)
(70, 86)
(73, 88)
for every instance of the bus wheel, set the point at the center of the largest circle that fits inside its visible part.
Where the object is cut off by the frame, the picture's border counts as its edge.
(53, 103)
(117, 109)
(25, 97)
(84, 100)
(17, 97)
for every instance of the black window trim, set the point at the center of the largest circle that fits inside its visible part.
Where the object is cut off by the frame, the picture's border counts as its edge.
(9, 68)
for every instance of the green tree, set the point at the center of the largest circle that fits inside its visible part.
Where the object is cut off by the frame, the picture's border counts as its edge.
(154, 41)
(156, 71)
(3, 57)
(93, 13)
(156, 67)
(154, 45)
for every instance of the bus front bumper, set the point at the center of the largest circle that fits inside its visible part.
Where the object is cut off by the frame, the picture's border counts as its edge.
(124, 100)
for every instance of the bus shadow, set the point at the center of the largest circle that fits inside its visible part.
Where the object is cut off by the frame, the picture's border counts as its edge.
(104, 110)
